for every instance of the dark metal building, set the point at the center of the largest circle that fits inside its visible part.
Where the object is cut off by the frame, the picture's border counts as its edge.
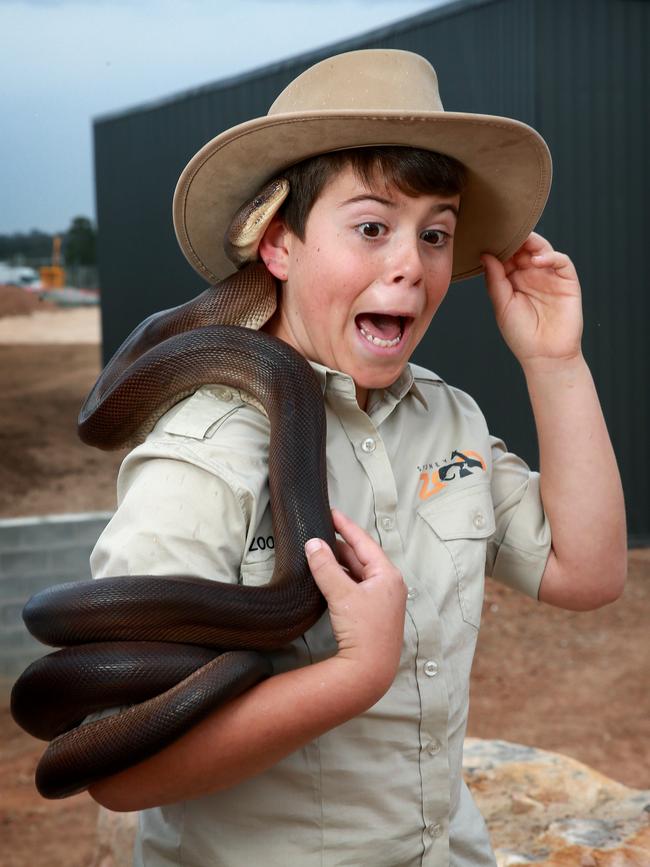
(576, 70)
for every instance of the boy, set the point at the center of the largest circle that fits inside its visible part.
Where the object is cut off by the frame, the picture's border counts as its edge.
(351, 754)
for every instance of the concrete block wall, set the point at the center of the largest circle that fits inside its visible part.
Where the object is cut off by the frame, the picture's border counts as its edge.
(36, 553)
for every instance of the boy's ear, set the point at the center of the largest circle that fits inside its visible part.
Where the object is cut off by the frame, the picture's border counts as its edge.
(274, 248)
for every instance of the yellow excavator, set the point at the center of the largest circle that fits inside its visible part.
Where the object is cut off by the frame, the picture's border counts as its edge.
(53, 276)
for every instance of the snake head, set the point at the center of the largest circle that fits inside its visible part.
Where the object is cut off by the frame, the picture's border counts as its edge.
(246, 228)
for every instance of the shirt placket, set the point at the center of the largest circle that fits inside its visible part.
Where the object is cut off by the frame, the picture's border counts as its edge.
(434, 702)
(371, 453)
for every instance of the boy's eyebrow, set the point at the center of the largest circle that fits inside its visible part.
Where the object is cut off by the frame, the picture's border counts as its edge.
(442, 206)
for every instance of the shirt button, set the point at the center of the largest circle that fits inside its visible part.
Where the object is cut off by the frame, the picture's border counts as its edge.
(412, 592)
(435, 830)
(223, 393)
(387, 523)
(431, 668)
(479, 520)
(433, 747)
(368, 445)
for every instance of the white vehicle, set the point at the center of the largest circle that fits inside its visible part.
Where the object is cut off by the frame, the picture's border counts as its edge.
(19, 275)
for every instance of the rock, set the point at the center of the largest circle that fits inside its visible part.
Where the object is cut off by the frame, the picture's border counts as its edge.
(549, 810)
(523, 804)
(541, 808)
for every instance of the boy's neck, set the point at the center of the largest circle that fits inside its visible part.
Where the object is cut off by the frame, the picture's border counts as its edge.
(362, 396)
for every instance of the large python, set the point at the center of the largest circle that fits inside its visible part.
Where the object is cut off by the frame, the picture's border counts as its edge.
(157, 643)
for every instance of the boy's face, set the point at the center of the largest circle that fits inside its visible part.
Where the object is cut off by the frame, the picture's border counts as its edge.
(361, 289)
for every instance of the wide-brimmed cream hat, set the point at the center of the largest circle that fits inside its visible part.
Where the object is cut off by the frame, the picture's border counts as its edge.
(368, 98)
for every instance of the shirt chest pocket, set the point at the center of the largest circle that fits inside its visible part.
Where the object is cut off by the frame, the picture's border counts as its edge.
(463, 522)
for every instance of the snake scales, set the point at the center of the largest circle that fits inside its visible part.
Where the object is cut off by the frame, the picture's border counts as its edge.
(157, 643)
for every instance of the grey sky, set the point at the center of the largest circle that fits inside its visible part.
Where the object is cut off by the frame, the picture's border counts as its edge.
(63, 62)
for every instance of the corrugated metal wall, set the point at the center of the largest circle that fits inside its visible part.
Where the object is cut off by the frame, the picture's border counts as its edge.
(593, 70)
(577, 70)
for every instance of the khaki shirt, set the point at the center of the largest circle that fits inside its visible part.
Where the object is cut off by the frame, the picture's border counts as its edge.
(422, 475)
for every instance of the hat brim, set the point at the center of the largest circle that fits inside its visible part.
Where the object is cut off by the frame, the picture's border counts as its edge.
(508, 175)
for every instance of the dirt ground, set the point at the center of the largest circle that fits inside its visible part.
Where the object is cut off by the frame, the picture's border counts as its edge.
(572, 683)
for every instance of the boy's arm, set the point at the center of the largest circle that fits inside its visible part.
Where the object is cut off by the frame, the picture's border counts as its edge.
(280, 715)
(536, 299)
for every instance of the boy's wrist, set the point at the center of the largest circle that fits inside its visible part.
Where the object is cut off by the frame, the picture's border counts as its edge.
(361, 683)
(544, 368)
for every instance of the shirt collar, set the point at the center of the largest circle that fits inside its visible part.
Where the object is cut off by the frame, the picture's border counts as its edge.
(342, 382)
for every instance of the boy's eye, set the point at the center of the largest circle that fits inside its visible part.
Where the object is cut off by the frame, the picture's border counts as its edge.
(435, 237)
(371, 230)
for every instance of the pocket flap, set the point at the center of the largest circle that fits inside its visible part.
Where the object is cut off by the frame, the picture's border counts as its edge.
(200, 415)
(467, 515)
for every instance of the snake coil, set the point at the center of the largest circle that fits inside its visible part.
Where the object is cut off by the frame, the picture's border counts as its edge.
(175, 647)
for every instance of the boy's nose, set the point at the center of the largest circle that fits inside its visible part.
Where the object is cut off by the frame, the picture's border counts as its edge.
(405, 265)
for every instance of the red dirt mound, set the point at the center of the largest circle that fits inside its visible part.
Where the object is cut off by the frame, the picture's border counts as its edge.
(15, 301)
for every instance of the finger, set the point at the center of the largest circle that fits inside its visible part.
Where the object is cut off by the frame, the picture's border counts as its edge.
(364, 547)
(535, 243)
(498, 286)
(327, 573)
(559, 262)
(348, 559)
(522, 260)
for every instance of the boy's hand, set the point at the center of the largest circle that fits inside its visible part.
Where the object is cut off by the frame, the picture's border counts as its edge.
(367, 603)
(536, 300)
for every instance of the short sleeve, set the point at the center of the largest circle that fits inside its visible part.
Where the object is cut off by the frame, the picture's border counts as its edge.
(518, 551)
(174, 518)
(186, 496)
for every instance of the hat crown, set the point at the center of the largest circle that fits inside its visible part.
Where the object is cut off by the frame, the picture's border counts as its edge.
(370, 98)
(368, 80)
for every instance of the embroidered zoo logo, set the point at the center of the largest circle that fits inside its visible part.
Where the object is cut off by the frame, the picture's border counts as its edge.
(461, 464)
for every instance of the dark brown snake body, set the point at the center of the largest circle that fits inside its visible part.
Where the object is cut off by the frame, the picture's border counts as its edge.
(112, 628)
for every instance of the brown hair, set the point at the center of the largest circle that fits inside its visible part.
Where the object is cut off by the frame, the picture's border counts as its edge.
(411, 170)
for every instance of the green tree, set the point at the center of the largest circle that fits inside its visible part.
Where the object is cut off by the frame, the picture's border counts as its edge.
(80, 243)
(32, 248)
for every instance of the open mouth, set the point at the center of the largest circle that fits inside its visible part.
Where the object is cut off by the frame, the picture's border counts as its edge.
(382, 329)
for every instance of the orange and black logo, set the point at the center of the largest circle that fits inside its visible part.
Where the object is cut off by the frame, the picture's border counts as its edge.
(460, 464)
